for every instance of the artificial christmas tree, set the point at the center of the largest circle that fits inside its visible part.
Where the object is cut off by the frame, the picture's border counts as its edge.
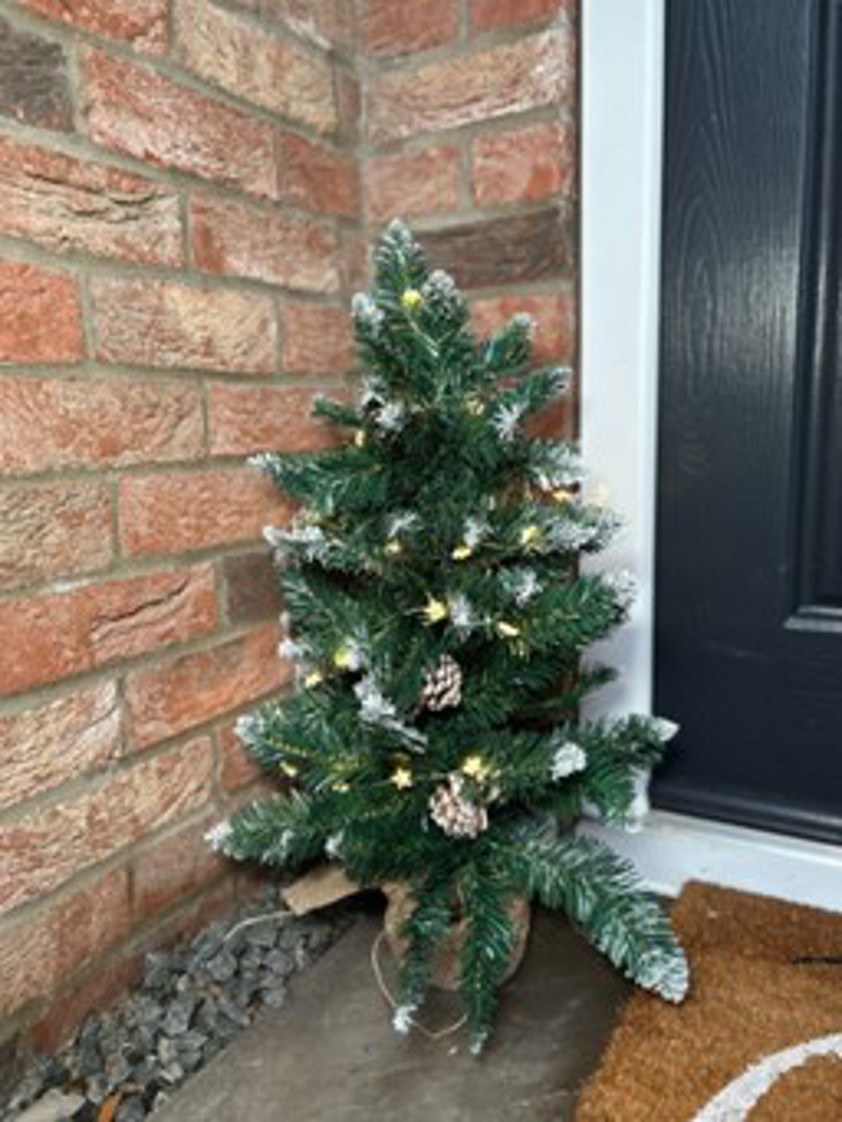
(437, 619)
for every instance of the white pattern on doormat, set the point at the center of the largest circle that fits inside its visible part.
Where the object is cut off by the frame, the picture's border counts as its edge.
(734, 1102)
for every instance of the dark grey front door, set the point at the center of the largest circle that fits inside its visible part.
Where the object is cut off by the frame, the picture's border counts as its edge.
(749, 551)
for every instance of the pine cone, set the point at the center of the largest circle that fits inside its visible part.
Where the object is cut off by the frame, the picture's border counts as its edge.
(457, 816)
(443, 686)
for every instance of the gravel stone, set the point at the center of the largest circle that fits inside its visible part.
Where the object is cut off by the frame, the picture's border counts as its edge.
(117, 1070)
(97, 1088)
(167, 1051)
(280, 962)
(261, 936)
(275, 996)
(156, 970)
(131, 1110)
(222, 966)
(179, 1015)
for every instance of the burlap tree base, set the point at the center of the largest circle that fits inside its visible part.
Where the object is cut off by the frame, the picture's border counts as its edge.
(446, 966)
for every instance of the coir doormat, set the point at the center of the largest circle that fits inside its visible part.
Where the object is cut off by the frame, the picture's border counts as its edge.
(758, 1039)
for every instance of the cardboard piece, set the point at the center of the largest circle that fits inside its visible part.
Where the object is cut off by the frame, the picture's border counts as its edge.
(323, 885)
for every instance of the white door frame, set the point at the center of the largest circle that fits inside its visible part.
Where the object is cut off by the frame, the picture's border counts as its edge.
(622, 120)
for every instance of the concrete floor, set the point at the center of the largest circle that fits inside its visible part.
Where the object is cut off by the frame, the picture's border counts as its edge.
(330, 1055)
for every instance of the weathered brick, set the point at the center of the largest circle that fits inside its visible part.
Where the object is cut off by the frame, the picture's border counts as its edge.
(525, 164)
(136, 111)
(510, 250)
(45, 848)
(33, 80)
(56, 635)
(40, 317)
(68, 204)
(508, 78)
(554, 315)
(317, 338)
(408, 185)
(195, 510)
(167, 324)
(180, 693)
(329, 23)
(251, 587)
(246, 419)
(141, 23)
(488, 15)
(281, 249)
(398, 28)
(52, 423)
(315, 177)
(50, 530)
(52, 743)
(256, 64)
(92, 990)
(173, 868)
(37, 953)
(237, 768)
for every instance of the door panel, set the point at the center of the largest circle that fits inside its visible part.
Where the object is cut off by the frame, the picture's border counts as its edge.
(749, 534)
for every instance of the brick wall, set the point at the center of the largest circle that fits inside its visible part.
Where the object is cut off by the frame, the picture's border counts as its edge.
(471, 133)
(179, 233)
(186, 187)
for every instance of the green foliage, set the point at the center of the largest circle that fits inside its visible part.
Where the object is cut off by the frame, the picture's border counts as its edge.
(599, 892)
(436, 618)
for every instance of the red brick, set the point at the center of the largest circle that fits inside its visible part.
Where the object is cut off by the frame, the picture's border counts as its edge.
(523, 165)
(329, 23)
(173, 868)
(555, 321)
(141, 23)
(48, 846)
(255, 63)
(317, 338)
(68, 204)
(393, 27)
(508, 78)
(53, 636)
(196, 510)
(180, 693)
(52, 743)
(37, 953)
(40, 316)
(315, 177)
(49, 530)
(238, 769)
(47, 423)
(281, 249)
(489, 15)
(408, 185)
(136, 111)
(167, 324)
(246, 419)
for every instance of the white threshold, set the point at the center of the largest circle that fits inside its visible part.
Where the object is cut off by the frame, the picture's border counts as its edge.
(670, 849)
